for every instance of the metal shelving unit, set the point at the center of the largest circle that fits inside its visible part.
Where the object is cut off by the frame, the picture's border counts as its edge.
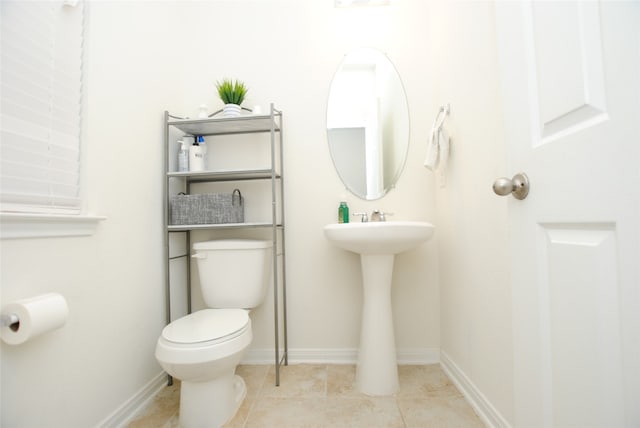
(248, 124)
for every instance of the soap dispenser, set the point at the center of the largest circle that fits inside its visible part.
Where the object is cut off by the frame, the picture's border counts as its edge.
(203, 148)
(343, 212)
(196, 158)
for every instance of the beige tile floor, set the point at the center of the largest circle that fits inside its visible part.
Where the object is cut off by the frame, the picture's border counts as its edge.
(323, 396)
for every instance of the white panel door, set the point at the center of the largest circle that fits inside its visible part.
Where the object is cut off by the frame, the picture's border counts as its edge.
(570, 75)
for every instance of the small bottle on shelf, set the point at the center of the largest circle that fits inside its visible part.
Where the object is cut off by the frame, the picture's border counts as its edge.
(203, 111)
(183, 157)
(196, 158)
(203, 145)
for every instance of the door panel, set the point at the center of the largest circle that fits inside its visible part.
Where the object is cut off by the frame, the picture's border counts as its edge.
(567, 48)
(580, 333)
(571, 92)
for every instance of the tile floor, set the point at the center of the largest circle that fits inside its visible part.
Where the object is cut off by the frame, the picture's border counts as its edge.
(323, 396)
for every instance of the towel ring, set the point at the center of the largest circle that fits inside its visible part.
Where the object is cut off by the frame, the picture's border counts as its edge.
(440, 117)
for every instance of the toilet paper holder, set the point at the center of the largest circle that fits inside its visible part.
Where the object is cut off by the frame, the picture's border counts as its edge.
(26, 319)
(9, 320)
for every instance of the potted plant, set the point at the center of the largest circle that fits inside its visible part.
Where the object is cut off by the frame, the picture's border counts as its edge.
(232, 94)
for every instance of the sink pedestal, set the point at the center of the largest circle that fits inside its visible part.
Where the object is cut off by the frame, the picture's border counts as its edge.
(377, 369)
(377, 243)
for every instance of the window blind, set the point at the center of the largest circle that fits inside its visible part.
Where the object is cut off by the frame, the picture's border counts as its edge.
(40, 111)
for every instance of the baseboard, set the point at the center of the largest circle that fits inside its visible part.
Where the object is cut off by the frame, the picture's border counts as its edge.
(339, 356)
(489, 414)
(418, 356)
(130, 408)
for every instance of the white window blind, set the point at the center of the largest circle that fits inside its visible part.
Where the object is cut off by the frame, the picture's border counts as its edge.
(41, 74)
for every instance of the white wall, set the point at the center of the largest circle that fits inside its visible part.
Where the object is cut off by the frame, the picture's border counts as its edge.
(146, 57)
(76, 376)
(293, 65)
(475, 295)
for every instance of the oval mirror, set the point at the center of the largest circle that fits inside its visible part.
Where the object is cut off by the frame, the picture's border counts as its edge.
(368, 123)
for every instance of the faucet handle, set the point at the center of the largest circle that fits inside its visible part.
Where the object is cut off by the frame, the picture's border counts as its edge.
(383, 216)
(364, 216)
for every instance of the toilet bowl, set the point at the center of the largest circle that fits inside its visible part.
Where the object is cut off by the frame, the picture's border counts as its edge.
(203, 349)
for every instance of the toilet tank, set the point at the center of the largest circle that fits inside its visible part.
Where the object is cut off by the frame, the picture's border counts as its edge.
(234, 273)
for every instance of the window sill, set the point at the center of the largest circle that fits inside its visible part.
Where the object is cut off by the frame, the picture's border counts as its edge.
(14, 225)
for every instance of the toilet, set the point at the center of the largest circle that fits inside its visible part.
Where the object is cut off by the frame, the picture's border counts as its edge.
(203, 348)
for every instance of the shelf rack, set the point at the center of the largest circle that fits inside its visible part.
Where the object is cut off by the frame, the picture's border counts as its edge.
(212, 126)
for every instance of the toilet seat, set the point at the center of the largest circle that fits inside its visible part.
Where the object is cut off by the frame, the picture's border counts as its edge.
(204, 337)
(207, 327)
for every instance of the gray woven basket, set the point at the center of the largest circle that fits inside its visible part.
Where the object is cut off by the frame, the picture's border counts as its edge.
(207, 208)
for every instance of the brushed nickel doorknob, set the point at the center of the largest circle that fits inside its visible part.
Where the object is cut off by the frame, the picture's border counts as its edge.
(518, 186)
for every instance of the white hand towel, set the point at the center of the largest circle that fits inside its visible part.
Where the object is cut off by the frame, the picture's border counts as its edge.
(431, 159)
(443, 148)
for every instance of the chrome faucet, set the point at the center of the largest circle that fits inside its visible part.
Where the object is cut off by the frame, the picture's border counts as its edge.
(364, 217)
(376, 215)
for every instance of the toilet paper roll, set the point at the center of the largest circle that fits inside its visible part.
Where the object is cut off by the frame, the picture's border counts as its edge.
(36, 316)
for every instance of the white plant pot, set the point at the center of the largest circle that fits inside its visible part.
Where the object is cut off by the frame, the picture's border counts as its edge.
(231, 110)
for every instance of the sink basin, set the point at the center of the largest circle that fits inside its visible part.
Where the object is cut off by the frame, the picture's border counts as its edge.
(377, 243)
(386, 237)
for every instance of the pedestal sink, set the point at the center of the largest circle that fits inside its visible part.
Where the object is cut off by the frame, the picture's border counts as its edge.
(378, 243)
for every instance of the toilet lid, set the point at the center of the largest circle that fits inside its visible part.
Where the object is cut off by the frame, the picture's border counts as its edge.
(206, 325)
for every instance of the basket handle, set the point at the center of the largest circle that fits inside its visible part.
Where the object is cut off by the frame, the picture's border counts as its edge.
(233, 197)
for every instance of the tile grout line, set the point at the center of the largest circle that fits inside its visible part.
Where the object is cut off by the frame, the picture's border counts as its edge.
(326, 381)
(404, 420)
(326, 394)
(257, 398)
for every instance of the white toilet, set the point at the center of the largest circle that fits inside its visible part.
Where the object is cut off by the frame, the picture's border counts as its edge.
(203, 349)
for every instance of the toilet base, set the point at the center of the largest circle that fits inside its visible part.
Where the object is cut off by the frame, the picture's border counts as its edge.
(211, 404)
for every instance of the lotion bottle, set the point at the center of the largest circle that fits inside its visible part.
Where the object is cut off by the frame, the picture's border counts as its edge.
(203, 146)
(196, 158)
(183, 157)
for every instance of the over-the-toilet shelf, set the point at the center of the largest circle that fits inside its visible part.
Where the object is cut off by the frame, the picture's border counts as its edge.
(267, 178)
